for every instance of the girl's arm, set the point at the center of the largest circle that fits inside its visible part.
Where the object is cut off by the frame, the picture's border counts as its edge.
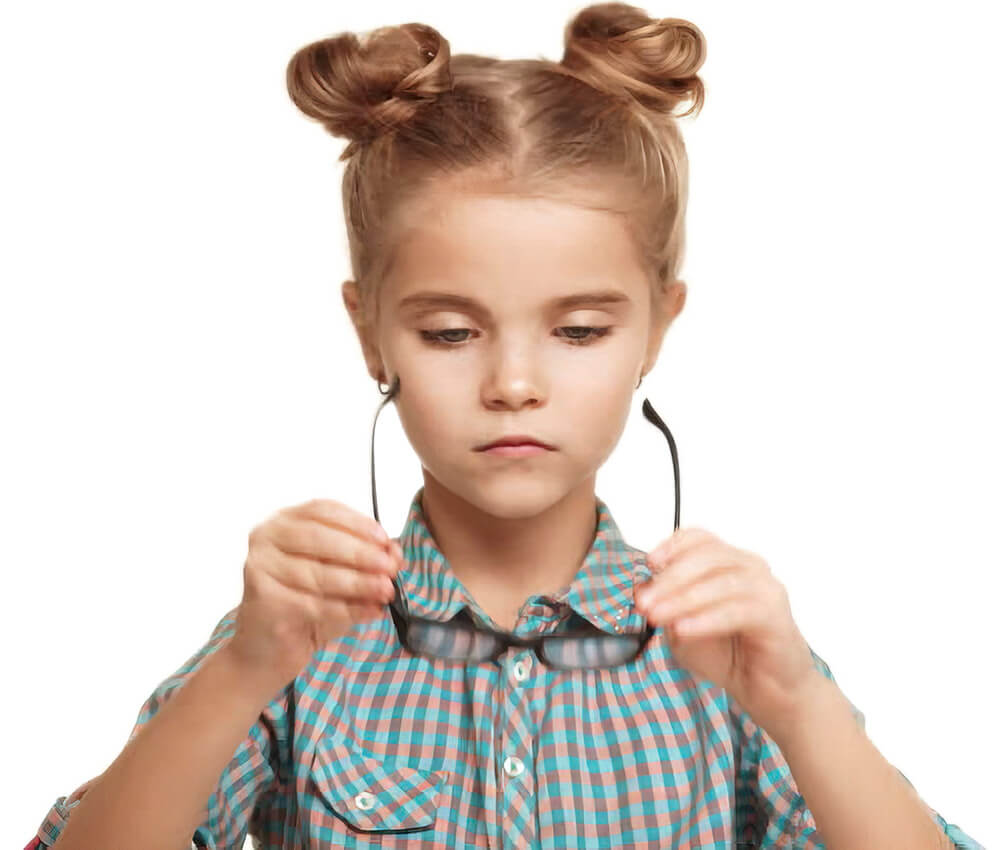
(857, 798)
(154, 794)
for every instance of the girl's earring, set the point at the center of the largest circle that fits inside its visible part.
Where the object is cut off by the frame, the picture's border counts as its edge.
(391, 390)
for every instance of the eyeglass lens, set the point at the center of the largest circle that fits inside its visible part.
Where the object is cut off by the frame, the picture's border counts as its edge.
(458, 642)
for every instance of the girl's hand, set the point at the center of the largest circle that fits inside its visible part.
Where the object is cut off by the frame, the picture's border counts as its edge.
(727, 619)
(312, 572)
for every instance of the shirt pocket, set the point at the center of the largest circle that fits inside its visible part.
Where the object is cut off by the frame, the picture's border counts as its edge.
(375, 794)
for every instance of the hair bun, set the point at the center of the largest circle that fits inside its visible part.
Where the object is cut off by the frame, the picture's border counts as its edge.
(361, 88)
(618, 48)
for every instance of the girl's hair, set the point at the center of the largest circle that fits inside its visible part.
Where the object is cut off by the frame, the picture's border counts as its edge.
(597, 128)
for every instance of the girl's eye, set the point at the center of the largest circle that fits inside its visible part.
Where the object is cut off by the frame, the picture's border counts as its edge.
(591, 334)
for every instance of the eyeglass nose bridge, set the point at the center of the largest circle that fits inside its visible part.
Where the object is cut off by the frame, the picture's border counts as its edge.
(537, 644)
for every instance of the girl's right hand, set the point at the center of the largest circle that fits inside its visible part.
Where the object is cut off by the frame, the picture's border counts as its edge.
(312, 572)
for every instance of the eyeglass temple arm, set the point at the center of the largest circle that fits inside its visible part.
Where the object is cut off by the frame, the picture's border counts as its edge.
(389, 394)
(648, 411)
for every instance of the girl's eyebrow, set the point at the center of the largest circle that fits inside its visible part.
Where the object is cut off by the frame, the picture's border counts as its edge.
(444, 300)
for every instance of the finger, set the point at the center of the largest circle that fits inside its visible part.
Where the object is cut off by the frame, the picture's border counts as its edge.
(680, 541)
(716, 587)
(396, 551)
(310, 538)
(340, 515)
(730, 617)
(341, 610)
(365, 613)
(688, 567)
(329, 581)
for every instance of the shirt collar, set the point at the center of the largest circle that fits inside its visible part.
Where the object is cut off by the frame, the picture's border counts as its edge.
(603, 591)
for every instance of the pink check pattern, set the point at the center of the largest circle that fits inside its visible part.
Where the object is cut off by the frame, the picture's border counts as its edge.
(371, 746)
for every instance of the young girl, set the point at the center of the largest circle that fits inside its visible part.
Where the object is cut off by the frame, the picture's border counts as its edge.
(516, 229)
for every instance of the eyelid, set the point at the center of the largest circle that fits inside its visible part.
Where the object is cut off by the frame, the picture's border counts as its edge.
(594, 326)
(436, 338)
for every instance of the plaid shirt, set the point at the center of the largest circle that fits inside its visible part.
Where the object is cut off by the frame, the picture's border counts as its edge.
(370, 746)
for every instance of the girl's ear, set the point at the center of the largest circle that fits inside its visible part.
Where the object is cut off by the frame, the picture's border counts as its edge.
(369, 349)
(671, 303)
(352, 301)
(677, 295)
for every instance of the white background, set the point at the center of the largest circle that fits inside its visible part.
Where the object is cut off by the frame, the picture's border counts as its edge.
(177, 363)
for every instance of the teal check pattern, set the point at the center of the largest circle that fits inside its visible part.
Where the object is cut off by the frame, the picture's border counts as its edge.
(371, 746)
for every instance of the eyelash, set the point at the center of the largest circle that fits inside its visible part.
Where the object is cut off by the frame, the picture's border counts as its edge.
(436, 337)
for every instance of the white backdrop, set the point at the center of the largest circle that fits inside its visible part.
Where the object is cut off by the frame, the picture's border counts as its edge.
(178, 363)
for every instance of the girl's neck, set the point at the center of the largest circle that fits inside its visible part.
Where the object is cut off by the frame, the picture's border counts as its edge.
(503, 561)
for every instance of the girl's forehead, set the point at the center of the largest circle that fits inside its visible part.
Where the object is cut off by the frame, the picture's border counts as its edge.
(435, 207)
(514, 250)
(537, 236)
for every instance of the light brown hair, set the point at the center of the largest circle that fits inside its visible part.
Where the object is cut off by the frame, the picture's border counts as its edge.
(597, 128)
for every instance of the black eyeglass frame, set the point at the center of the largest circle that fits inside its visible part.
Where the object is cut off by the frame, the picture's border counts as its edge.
(504, 639)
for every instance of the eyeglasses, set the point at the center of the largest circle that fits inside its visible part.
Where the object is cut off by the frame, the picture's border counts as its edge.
(463, 640)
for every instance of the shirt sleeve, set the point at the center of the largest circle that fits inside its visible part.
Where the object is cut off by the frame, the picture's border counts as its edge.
(256, 773)
(770, 811)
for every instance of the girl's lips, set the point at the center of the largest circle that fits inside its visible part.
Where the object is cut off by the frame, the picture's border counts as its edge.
(523, 450)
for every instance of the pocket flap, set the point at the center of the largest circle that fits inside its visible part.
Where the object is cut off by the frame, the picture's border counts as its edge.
(373, 794)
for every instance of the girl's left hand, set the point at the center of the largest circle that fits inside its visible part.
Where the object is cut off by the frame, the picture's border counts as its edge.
(727, 619)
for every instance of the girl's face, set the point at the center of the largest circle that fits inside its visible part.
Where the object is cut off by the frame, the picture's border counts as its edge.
(502, 355)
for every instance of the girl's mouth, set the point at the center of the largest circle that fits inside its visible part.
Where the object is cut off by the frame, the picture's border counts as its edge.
(523, 450)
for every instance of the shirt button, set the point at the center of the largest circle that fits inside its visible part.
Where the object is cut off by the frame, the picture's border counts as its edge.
(513, 766)
(364, 800)
(521, 669)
